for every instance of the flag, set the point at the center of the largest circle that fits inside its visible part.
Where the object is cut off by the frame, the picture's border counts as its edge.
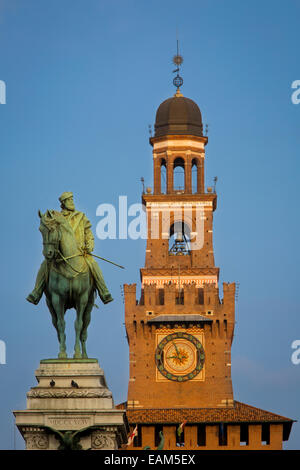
(180, 428)
(132, 436)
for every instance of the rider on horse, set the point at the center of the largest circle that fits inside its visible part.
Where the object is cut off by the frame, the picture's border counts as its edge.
(85, 241)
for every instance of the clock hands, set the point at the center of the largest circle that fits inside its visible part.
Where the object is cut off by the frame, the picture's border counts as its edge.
(177, 352)
(178, 355)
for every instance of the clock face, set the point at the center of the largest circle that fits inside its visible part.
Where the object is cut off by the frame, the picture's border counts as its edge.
(179, 356)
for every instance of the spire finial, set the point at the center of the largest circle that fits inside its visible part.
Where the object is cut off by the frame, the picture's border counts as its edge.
(177, 81)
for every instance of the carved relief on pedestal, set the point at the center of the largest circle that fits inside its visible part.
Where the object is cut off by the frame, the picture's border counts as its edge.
(66, 393)
(36, 440)
(101, 440)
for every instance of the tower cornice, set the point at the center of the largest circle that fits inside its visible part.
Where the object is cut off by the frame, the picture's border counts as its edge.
(181, 137)
(180, 198)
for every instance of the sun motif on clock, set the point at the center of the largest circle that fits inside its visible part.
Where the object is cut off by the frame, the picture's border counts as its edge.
(179, 356)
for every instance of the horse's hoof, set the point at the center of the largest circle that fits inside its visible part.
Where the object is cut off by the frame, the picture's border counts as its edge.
(77, 355)
(62, 355)
(33, 299)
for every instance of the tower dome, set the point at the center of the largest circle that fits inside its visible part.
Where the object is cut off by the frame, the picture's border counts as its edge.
(178, 116)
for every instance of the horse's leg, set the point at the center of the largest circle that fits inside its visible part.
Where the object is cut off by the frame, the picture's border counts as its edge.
(53, 314)
(58, 305)
(80, 308)
(86, 322)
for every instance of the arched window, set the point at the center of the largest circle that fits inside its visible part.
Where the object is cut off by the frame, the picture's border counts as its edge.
(178, 174)
(163, 176)
(194, 176)
(179, 239)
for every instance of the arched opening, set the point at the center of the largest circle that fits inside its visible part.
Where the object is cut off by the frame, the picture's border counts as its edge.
(179, 239)
(163, 176)
(178, 174)
(194, 176)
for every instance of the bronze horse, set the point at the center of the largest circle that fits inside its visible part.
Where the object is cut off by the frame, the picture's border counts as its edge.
(69, 281)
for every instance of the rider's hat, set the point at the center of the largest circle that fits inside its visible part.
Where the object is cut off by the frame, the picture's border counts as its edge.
(65, 195)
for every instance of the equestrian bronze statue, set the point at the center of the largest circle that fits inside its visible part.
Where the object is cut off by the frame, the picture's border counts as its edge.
(69, 276)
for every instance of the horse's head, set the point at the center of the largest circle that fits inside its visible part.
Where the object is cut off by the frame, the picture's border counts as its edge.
(51, 233)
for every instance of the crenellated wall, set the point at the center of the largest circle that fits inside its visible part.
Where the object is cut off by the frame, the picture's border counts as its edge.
(210, 437)
(203, 301)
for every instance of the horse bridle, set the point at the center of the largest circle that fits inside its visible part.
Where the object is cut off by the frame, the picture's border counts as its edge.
(57, 250)
(54, 243)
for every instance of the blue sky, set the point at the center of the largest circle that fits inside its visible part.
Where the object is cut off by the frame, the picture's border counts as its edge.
(83, 82)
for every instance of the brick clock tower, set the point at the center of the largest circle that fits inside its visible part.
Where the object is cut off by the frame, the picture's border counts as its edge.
(179, 330)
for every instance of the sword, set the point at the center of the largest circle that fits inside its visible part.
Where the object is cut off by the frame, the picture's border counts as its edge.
(104, 259)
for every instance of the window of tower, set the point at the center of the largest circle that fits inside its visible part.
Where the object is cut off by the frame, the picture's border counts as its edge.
(157, 438)
(201, 435)
(200, 296)
(244, 434)
(179, 239)
(137, 440)
(160, 296)
(194, 176)
(265, 434)
(180, 439)
(163, 176)
(178, 174)
(222, 434)
(179, 299)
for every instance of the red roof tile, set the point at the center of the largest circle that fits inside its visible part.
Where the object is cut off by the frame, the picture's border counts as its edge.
(240, 412)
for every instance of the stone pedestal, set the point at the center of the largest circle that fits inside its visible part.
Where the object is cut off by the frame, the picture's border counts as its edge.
(71, 406)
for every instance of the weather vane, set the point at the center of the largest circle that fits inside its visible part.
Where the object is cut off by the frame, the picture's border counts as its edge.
(177, 60)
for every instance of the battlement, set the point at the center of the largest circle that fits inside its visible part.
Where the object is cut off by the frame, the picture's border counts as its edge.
(189, 299)
(188, 294)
